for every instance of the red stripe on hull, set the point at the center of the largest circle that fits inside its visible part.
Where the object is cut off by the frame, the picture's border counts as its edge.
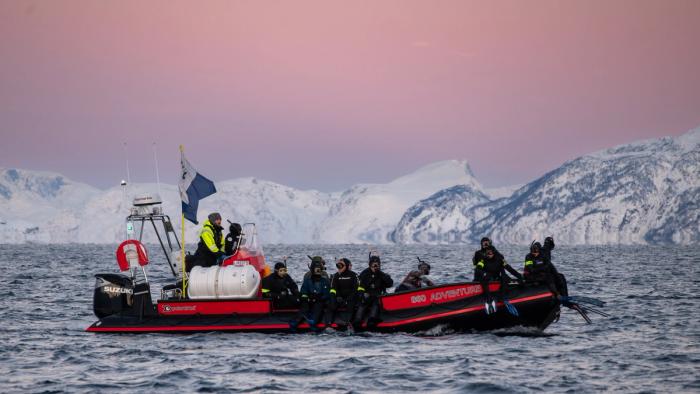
(459, 311)
(239, 327)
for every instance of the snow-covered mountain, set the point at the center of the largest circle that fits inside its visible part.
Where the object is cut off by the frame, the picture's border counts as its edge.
(44, 207)
(88, 215)
(645, 192)
(368, 213)
(40, 206)
(443, 217)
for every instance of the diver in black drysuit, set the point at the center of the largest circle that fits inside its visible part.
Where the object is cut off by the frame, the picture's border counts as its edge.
(479, 254)
(344, 285)
(546, 249)
(233, 238)
(493, 269)
(539, 268)
(373, 283)
(281, 288)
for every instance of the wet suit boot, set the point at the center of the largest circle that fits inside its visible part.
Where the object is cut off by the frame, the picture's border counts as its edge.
(373, 318)
(359, 315)
(306, 312)
(329, 312)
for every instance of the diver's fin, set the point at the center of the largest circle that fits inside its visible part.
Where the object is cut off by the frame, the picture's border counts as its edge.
(511, 308)
(584, 300)
(596, 311)
(581, 312)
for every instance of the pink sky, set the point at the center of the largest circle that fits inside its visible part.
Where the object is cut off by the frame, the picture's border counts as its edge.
(326, 94)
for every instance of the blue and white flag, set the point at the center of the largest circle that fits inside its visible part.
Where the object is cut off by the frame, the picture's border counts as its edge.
(193, 187)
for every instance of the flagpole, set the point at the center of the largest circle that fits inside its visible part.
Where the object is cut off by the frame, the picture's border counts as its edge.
(182, 252)
(193, 187)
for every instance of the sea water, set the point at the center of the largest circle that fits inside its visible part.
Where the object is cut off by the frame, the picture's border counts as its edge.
(651, 342)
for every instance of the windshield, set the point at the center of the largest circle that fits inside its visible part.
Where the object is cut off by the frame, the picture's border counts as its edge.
(249, 240)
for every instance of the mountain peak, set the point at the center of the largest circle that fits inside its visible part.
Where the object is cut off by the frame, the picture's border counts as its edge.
(690, 139)
(452, 172)
(641, 192)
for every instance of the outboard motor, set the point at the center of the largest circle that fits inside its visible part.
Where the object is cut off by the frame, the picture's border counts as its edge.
(114, 293)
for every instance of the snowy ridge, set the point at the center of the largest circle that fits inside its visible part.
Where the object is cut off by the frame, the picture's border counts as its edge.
(37, 206)
(644, 192)
(45, 207)
(443, 217)
(369, 213)
(276, 209)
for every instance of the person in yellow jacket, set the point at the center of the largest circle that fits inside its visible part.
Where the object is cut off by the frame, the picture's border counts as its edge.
(211, 242)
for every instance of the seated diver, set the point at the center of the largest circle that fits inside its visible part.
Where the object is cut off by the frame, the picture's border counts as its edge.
(547, 253)
(539, 268)
(412, 281)
(373, 283)
(281, 288)
(424, 268)
(315, 293)
(210, 250)
(344, 284)
(416, 279)
(233, 238)
(547, 247)
(493, 269)
(480, 254)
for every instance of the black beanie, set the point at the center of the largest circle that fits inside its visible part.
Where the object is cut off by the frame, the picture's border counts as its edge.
(279, 265)
(214, 217)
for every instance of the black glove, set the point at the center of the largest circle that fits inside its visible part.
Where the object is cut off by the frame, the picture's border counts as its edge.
(219, 254)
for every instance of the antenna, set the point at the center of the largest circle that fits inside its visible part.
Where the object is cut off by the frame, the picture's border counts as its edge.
(126, 198)
(126, 156)
(155, 159)
(125, 183)
(129, 223)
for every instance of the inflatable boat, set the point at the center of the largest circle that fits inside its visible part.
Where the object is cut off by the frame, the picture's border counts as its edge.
(228, 297)
(457, 306)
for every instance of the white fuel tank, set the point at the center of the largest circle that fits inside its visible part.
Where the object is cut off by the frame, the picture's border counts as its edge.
(230, 282)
